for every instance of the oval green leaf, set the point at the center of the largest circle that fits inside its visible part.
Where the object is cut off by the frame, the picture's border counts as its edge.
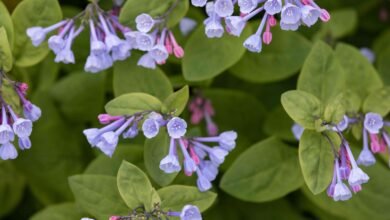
(259, 180)
(378, 102)
(175, 197)
(30, 13)
(302, 107)
(206, 58)
(135, 187)
(129, 77)
(279, 60)
(132, 103)
(177, 101)
(98, 195)
(317, 160)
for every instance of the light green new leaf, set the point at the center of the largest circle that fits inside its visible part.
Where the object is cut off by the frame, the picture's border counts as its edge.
(135, 187)
(206, 58)
(6, 22)
(361, 76)
(335, 109)
(98, 195)
(277, 61)
(6, 59)
(255, 179)
(378, 101)
(384, 64)
(63, 211)
(129, 77)
(302, 107)
(317, 159)
(177, 101)
(322, 75)
(30, 13)
(154, 151)
(132, 8)
(175, 197)
(132, 103)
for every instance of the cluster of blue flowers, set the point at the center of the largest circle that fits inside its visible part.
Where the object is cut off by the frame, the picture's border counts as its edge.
(375, 140)
(293, 13)
(14, 124)
(110, 41)
(198, 157)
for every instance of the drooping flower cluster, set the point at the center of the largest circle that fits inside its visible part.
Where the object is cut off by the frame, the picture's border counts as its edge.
(202, 108)
(110, 41)
(375, 140)
(198, 157)
(293, 13)
(15, 124)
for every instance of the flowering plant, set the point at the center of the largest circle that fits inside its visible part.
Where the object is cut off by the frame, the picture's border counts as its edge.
(194, 109)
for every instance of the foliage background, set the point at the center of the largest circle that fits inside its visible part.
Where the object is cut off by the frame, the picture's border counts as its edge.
(245, 89)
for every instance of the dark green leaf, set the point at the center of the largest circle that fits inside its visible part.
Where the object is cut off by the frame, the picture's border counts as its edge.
(259, 180)
(98, 195)
(206, 58)
(128, 77)
(279, 60)
(155, 150)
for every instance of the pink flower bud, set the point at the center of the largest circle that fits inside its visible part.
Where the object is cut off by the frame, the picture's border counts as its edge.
(325, 16)
(178, 51)
(356, 188)
(212, 129)
(23, 87)
(272, 21)
(115, 218)
(267, 37)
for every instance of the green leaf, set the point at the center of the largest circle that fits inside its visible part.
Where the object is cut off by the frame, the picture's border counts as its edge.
(335, 109)
(63, 211)
(104, 165)
(132, 103)
(362, 77)
(177, 101)
(154, 151)
(6, 59)
(370, 203)
(378, 101)
(317, 159)
(279, 124)
(80, 95)
(132, 8)
(11, 187)
(128, 77)
(30, 13)
(206, 58)
(279, 60)
(302, 107)
(272, 177)
(175, 197)
(6, 22)
(322, 75)
(239, 111)
(98, 195)
(56, 153)
(384, 65)
(342, 23)
(135, 187)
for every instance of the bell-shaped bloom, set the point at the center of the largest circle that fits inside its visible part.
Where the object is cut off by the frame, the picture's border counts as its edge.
(373, 122)
(177, 127)
(144, 22)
